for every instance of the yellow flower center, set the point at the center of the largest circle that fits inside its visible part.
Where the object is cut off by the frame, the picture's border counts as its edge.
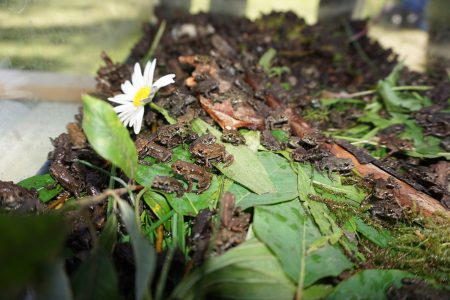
(142, 94)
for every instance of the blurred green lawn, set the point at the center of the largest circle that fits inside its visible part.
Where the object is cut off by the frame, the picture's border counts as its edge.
(68, 36)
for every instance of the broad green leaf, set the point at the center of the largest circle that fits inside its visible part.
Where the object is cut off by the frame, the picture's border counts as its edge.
(324, 221)
(249, 271)
(27, 244)
(317, 292)
(381, 238)
(157, 203)
(42, 183)
(304, 180)
(280, 135)
(246, 168)
(333, 188)
(55, 285)
(252, 139)
(96, 278)
(282, 176)
(368, 284)
(289, 233)
(146, 173)
(108, 136)
(191, 203)
(144, 254)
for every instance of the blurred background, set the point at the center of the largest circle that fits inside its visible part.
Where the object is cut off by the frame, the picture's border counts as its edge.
(50, 51)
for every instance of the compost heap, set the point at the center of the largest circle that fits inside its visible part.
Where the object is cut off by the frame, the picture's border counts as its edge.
(335, 156)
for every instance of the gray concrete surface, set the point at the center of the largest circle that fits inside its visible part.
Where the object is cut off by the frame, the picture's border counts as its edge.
(25, 131)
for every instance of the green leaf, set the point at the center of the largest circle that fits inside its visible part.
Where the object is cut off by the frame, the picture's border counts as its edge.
(334, 189)
(283, 228)
(324, 221)
(157, 203)
(266, 59)
(108, 237)
(144, 254)
(368, 284)
(96, 278)
(55, 285)
(252, 139)
(41, 184)
(108, 136)
(164, 112)
(246, 168)
(146, 173)
(28, 243)
(394, 102)
(381, 238)
(304, 180)
(249, 271)
(282, 176)
(280, 135)
(317, 292)
(394, 76)
(191, 203)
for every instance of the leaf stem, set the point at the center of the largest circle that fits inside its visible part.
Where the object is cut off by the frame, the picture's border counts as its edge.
(155, 42)
(164, 112)
(396, 88)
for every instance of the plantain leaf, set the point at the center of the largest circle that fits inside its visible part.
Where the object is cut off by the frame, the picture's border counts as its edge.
(291, 234)
(246, 168)
(46, 186)
(146, 173)
(282, 176)
(157, 203)
(191, 203)
(249, 271)
(108, 136)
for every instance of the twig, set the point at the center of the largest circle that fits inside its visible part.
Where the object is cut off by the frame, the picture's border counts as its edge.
(397, 88)
(92, 200)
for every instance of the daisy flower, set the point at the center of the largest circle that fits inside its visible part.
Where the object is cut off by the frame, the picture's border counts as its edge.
(137, 93)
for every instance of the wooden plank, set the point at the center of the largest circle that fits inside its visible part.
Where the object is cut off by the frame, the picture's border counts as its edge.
(35, 85)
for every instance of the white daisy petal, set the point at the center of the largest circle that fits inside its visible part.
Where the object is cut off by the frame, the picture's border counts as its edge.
(147, 73)
(121, 99)
(163, 81)
(136, 78)
(128, 88)
(124, 107)
(126, 116)
(138, 120)
(151, 72)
